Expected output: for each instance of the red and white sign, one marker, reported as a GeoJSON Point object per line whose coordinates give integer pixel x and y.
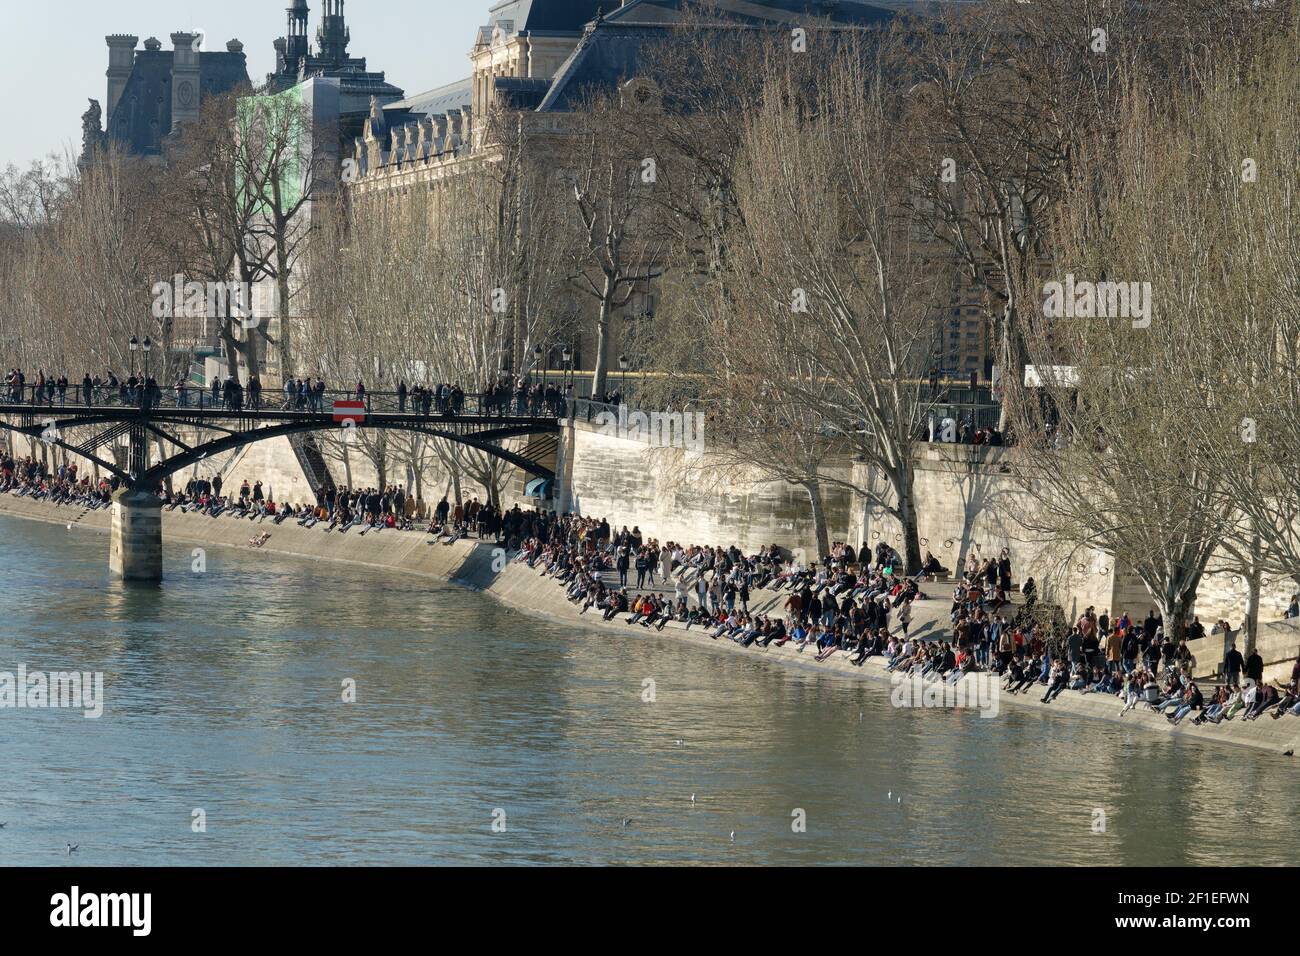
{"type": "Point", "coordinates": [349, 411]}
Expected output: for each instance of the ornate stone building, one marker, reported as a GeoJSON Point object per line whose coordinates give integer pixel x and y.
{"type": "Point", "coordinates": [542, 57]}
{"type": "Point", "coordinates": [295, 61]}
{"type": "Point", "coordinates": [152, 92]}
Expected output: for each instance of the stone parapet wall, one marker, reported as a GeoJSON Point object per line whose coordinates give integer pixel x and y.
{"type": "Point", "coordinates": [674, 495]}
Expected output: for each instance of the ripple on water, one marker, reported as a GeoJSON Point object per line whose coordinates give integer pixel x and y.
{"type": "Point", "coordinates": [224, 693]}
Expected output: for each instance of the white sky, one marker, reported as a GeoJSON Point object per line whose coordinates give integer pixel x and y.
{"type": "Point", "coordinates": [54, 56]}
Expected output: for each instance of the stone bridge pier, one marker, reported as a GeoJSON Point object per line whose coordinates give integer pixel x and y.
{"type": "Point", "coordinates": [135, 543]}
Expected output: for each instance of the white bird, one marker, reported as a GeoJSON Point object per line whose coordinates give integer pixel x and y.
{"type": "Point", "coordinates": [72, 847]}
{"type": "Point", "coordinates": [890, 795]}
{"type": "Point", "coordinates": [692, 801]}
{"type": "Point", "coordinates": [733, 836]}
{"type": "Point", "coordinates": [900, 800]}
{"type": "Point", "coordinates": [679, 741]}
{"type": "Point", "coordinates": [627, 821]}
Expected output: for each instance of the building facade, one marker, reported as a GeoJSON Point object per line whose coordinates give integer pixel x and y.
{"type": "Point", "coordinates": [542, 58]}
{"type": "Point", "coordinates": [153, 92]}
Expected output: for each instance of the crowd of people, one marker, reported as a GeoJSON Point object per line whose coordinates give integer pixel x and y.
{"type": "Point", "coordinates": [334, 509]}
{"type": "Point", "coordinates": [51, 390]}
{"type": "Point", "coordinates": [28, 477]}
{"type": "Point", "coordinates": [338, 509]}
{"type": "Point", "coordinates": [504, 396]}
{"type": "Point", "coordinates": [858, 604]}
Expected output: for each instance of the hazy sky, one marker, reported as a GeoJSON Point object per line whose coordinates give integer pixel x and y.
{"type": "Point", "coordinates": [54, 58]}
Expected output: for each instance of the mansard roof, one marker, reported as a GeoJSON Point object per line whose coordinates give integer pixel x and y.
{"type": "Point", "coordinates": [142, 117]}
{"type": "Point", "coordinates": [439, 100]}
{"type": "Point", "coordinates": [548, 16]}
{"type": "Point", "coordinates": [609, 50]}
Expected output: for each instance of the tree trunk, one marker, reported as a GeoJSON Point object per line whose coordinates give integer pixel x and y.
{"type": "Point", "coordinates": [282, 310]}
{"type": "Point", "coordinates": [601, 369]}
{"type": "Point", "coordinates": [819, 519]}
{"type": "Point", "coordinates": [903, 492]}
{"type": "Point", "coordinates": [1251, 624]}
{"type": "Point", "coordinates": [417, 483]}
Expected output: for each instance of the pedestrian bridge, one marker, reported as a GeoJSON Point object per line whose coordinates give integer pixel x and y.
{"type": "Point", "coordinates": [87, 422]}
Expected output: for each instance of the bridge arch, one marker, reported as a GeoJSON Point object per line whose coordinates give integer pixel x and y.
{"type": "Point", "coordinates": [478, 433]}
{"type": "Point", "coordinates": [482, 440]}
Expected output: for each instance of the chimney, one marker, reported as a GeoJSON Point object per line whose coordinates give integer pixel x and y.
{"type": "Point", "coordinates": [185, 78]}
{"type": "Point", "coordinates": [121, 60]}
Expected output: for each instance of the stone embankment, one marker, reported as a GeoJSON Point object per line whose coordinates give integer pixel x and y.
{"type": "Point", "coordinates": [480, 567]}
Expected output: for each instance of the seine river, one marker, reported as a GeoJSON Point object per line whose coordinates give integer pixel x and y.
{"type": "Point", "coordinates": [224, 694]}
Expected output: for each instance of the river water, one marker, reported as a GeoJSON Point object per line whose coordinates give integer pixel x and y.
{"type": "Point", "coordinates": [224, 693]}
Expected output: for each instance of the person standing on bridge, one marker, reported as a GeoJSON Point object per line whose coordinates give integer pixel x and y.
{"type": "Point", "coordinates": [401, 395]}
{"type": "Point", "coordinates": [361, 391]}
{"type": "Point", "coordinates": [87, 390]}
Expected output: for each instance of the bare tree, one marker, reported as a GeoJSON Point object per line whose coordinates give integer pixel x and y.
{"type": "Point", "coordinates": [1149, 338]}
{"type": "Point", "coordinates": [619, 246]}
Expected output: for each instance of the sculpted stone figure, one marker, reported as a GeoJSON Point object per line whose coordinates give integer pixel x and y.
{"type": "Point", "coordinates": [92, 135]}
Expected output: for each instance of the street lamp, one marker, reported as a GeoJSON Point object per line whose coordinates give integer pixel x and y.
{"type": "Point", "coordinates": [624, 363]}
{"type": "Point", "coordinates": [147, 346]}
{"type": "Point", "coordinates": [133, 344]}
{"type": "Point", "coordinates": [537, 362]}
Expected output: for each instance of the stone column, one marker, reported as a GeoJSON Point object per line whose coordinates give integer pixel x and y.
{"type": "Point", "coordinates": [186, 79]}
{"type": "Point", "coordinates": [121, 60]}
{"type": "Point", "coordinates": [135, 546]}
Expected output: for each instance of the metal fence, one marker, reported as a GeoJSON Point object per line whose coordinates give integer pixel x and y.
{"type": "Point", "coordinates": [81, 399]}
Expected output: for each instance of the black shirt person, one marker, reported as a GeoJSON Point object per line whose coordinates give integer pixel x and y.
{"type": "Point", "coordinates": [1255, 667]}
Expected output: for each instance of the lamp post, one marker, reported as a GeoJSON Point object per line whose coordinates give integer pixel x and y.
{"type": "Point", "coordinates": [624, 363]}
{"type": "Point", "coordinates": [133, 345]}
{"type": "Point", "coordinates": [537, 363]}
{"type": "Point", "coordinates": [147, 346]}
{"type": "Point", "coordinates": [567, 355]}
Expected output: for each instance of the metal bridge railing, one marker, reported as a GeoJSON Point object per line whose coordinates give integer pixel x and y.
{"type": "Point", "coordinates": [329, 402]}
